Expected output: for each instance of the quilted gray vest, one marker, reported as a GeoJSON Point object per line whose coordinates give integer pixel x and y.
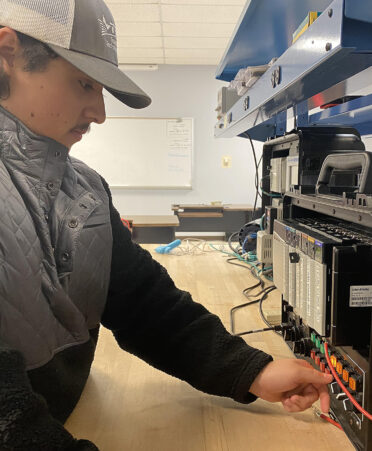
{"type": "Point", "coordinates": [55, 245]}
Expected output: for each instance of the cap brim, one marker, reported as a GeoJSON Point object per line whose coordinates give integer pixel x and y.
{"type": "Point", "coordinates": [109, 75]}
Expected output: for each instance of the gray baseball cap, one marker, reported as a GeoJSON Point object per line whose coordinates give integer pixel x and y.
{"type": "Point", "coordinates": [82, 32]}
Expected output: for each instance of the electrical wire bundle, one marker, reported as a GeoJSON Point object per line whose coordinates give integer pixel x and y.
{"type": "Point", "coordinates": [264, 293]}
{"type": "Point", "coordinates": [195, 246]}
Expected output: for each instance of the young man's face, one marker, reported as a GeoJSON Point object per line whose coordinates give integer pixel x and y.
{"type": "Point", "coordinates": [59, 102]}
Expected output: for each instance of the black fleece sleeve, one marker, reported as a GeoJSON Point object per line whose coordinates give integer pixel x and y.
{"type": "Point", "coordinates": [25, 423]}
{"type": "Point", "coordinates": [162, 325]}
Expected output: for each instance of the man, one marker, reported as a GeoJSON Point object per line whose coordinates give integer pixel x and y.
{"type": "Point", "coordinates": [67, 262]}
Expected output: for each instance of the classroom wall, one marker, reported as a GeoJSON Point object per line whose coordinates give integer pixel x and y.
{"type": "Point", "coordinates": [188, 91]}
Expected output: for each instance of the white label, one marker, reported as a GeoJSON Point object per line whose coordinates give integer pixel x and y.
{"type": "Point", "coordinates": [292, 160]}
{"type": "Point", "coordinates": [360, 296]}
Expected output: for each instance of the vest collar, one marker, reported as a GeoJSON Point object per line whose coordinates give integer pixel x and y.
{"type": "Point", "coordinates": [41, 159]}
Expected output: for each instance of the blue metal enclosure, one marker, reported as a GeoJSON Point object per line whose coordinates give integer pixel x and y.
{"type": "Point", "coordinates": [336, 47]}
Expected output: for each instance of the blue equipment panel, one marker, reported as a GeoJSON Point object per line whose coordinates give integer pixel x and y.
{"type": "Point", "coordinates": [264, 31]}
{"type": "Point", "coordinates": [337, 46]}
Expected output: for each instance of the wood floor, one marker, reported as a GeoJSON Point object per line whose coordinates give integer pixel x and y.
{"type": "Point", "coordinates": [128, 405]}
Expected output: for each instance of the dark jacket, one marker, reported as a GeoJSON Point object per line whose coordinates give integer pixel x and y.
{"type": "Point", "coordinates": [150, 318]}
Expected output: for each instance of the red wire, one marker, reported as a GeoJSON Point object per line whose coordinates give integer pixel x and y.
{"type": "Point", "coordinates": [324, 417]}
{"type": "Point", "coordinates": [344, 389]}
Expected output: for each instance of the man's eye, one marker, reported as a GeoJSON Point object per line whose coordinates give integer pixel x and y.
{"type": "Point", "coordinates": [85, 85]}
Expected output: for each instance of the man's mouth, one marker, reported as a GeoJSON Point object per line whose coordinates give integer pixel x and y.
{"type": "Point", "coordinates": [80, 131]}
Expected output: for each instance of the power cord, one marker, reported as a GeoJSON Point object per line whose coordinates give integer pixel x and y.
{"type": "Point", "coordinates": [246, 304]}
{"type": "Point", "coordinates": [263, 317]}
{"type": "Point", "coordinates": [278, 328]}
{"type": "Point", "coordinates": [230, 243]}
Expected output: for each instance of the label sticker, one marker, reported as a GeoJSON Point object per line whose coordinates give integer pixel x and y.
{"type": "Point", "coordinates": [360, 296]}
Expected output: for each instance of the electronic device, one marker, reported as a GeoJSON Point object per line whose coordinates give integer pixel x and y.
{"type": "Point", "coordinates": [322, 268]}
{"type": "Point", "coordinates": [271, 213]}
{"type": "Point", "coordinates": [225, 100]}
{"type": "Point", "coordinates": [293, 161]}
{"type": "Point", "coordinates": [322, 260]}
{"type": "Point", "coordinates": [264, 247]}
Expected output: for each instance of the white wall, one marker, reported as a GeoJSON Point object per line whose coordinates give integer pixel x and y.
{"type": "Point", "coordinates": [189, 91]}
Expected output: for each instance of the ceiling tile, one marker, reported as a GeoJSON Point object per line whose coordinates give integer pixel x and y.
{"type": "Point", "coordinates": [193, 53]}
{"type": "Point", "coordinates": [197, 61]}
{"type": "Point", "coordinates": [141, 42]}
{"type": "Point", "coordinates": [141, 60]}
{"type": "Point", "coordinates": [124, 52]}
{"type": "Point", "coordinates": [203, 2]}
{"type": "Point", "coordinates": [135, 12]}
{"type": "Point", "coordinates": [195, 43]}
{"type": "Point", "coordinates": [210, 30]}
{"type": "Point", "coordinates": [138, 29]}
{"type": "Point", "coordinates": [192, 31]}
{"type": "Point", "coordinates": [132, 2]}
{"type": "Point", "coordinates": [200, 13]}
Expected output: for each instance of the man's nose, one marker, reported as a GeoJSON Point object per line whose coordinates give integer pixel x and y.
{"type": "Point", "coordinates": [96, 111]}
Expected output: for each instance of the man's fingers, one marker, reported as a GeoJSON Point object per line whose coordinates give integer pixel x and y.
{"type": "Point", "coordinates": [289, 406]}
{"type": "Point", "coordinates": [311, 376]}
{"type": "Point", "coordinates": [323, 398]}
{"type": "Point", "coordinates": [298, 403]}
{"type": "Point", "coordinates": [305, 398]}
{"type": "Point", "coordinates": [304, 363]}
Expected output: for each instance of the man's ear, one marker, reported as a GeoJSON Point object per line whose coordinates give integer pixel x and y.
{"type": "Point", "coordinates": [9, 47]}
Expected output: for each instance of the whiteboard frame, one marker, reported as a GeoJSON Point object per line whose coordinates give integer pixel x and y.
{"type": "Point", "coordinates": [175, 187]}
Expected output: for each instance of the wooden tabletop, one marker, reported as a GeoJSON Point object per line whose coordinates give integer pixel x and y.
{"type": "Point", "coordinates": [231, 207]}
{"type": "Point", "coordinates": [238, 207]}
{"type": "Point", "coordinates": [176, 207]}
{"type": "Point", "coordinates": [153, 220]}
{"type": "Point", "coordinates": [129, 406]}
{"type": "Point", "coordinates": [200, 214]}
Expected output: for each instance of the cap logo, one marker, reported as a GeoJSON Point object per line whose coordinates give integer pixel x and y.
{"type": "Point", "coordinates": [108, 32]}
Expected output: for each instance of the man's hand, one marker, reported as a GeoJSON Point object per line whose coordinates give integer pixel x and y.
{"type": "Point", "coordinates": [295, 383]}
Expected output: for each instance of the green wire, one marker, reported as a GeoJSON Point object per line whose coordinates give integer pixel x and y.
{"type": "Point", "coordinates": [239, 257]}
{"type": "Point", "coordinates": [270, 194]}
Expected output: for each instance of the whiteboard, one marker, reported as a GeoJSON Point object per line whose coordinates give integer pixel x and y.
{"type": "Point", "coordinates": [138, 152]}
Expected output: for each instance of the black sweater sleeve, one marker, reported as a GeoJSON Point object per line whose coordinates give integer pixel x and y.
{"type": "Point", "coordinates": [162, 325]}
{"type": "Point", "coordinates": [25, 423]}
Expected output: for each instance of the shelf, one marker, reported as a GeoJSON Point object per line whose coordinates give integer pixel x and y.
{"type": "Point", "coordinates": [337, 46]}
{"type": "Point", "coordinates": [264, 31]}
{"type": "Point", "coordinates": [340, 208]}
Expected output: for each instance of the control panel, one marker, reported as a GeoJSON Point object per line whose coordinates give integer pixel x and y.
{"type": "Point", "coordinates": [319, 265]}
